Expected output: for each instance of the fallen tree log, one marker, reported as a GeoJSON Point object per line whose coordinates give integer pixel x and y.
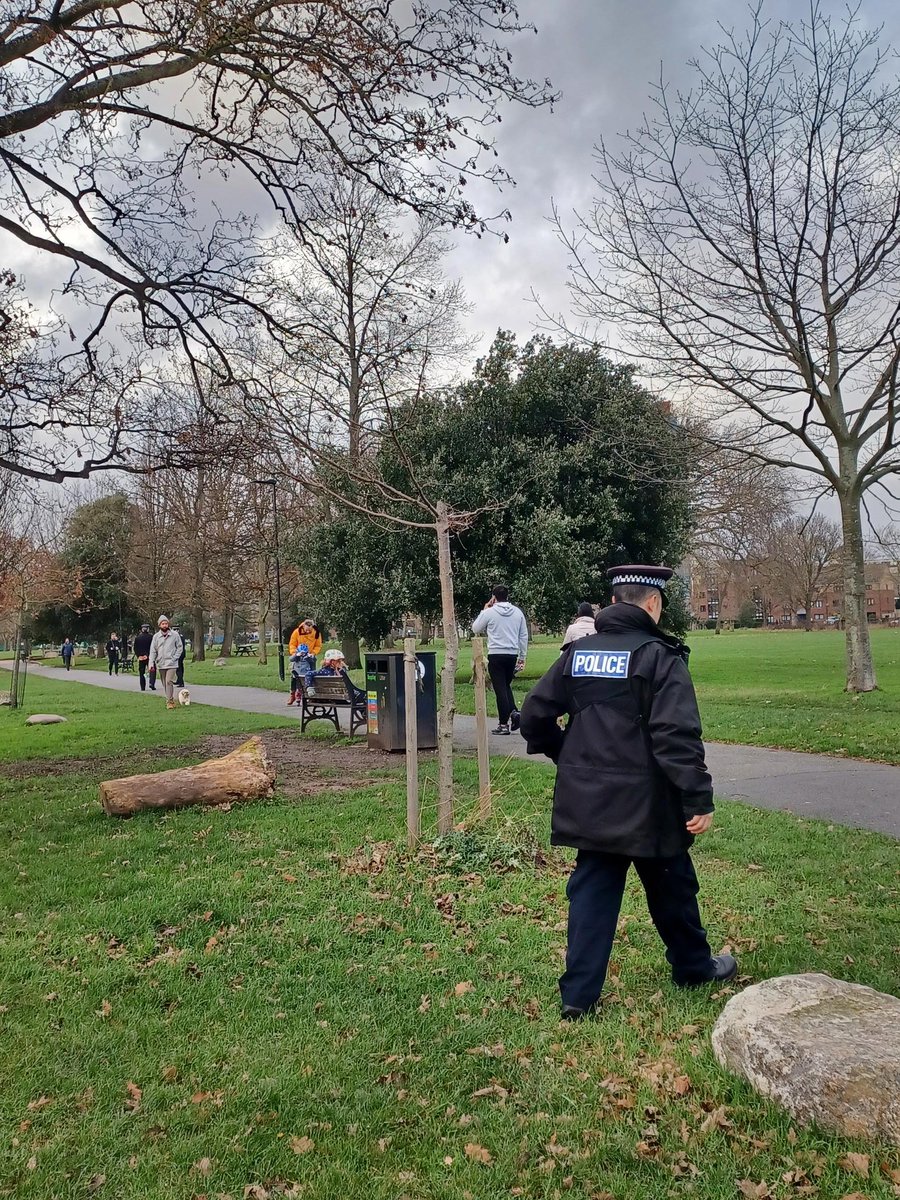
{"type": "Point", "coordinates": [244, 774]}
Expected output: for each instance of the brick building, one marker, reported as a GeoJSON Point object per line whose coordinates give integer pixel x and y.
{"type": "Point", "coordinates": [729, 595]}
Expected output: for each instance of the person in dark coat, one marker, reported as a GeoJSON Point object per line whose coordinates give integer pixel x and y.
{"type": "Point", "coordinates": [179, 674]}
{"type": "Point", "coordinates": [631, 785]}
{"type": "Point", "coordinates": [142, 654]}
{"type": "Point", "coordinates": [113, 652]}
{"type": "Point", "coordinates": [67, 651]}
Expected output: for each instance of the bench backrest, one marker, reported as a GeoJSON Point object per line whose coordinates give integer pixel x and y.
{"type": "Point", "coordinates": [327, 687]}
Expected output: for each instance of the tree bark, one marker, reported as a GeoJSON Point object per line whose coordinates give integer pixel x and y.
{"type": "Point", "coordinates": [227, 632]}
{"type": "Point", "coordinates": [244, 774]}
{"type": "Point", "coordinates": [350, 650]}
{"type": "Point", "coordinates": [860, 668]}
{"type": "Point", "coordinates": [198, 638]}
{"type": "Point", "coordinates": [262, 613]}
{"type": "Point", "coordinates": [448, 675]}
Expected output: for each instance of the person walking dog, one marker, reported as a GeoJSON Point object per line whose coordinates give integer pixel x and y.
{"type": "Point", "coordinates": [165, 651]}
{"type": "Point", "coordinates": [632, 785]}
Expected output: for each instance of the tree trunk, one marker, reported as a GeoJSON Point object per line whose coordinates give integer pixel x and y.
{"type": "Point", "coordinates": [425, 626]}
{"type": "Point", "coordinates": [198, 638]}
{"type": "Point", "coordinates": [860, 668]}
{"type": "Point", "coordinates": [262, 613]}
{"type": "Point", "coordinates": [244, 774]}
{"type": "Point", "coordinates": [350, 650]}
{"type": "Point", "coordinates": [227, 632]}
{"type": "Point", "coordinates": [448, 675]}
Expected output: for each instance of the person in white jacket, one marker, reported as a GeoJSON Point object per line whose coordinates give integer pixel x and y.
{"type": "Point", "coordinates": [165, 651]}
{"type": "Point", "coordinates": [507, 637]}
{"type": "Point", "coordinates": [582, 626]}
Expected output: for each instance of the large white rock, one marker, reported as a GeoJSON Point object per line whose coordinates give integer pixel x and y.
{"type": "Point", "coordinates": [45, 719]}
{"type": "Point", "coordinates": [827, 1051]}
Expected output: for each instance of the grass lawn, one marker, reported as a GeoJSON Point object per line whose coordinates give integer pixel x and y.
{"type": "Point", "coordinates": [278, 1001]}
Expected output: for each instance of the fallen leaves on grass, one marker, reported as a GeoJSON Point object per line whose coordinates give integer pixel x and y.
{"type": "Point", "coordinates": [169, 1074]}
{"type": "Point", "coordinates": [477, 1153]}
{"type": "Point", "coordinates": [856, 1164]}
{"type": "Point", "coordinates": [96, 1182]}
{"type": "Point", "coordinates": [302, 1145]}
{"type": "Point", "coordinates": [753, 1191]}
{"type": "Point", "coordinates": [133, 1097]}
{"type": "Point", "coordinates": [105, 1009]}
{"type": "Point", "coordinates": [465, 986]}
{"type": "Point", "coordinates": [41, 1102]}
{"type": "Point", "coordinates": [203, 1166]}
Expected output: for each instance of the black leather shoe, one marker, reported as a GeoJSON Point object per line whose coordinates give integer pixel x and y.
{"type": "Point", "coordinates": [725, 969]}
{"type": "Point", "coordinates": [514, 720]}
{"type": "Point", "coordinates": [504, 729]}
{"type": "Point", "coordinates": [570, 1013]}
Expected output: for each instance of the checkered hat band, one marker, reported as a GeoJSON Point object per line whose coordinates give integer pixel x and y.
{"type": "Point", "coordinates": [643, 580]}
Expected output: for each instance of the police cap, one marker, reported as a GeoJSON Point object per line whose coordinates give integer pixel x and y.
{"type": "Point", "coordinates": [642, 575]}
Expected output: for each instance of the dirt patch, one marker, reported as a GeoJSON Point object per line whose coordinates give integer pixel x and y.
{"type": "Point", "coordinates": [304, 765]}
{"type": "Point", "coordinates": [309, 765]}
{"type": "Point", "coordinates": [110, 767]}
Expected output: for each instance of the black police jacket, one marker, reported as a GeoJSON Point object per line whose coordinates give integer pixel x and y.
{"type": "Point", "coordinates": [142, 645]}
{"type": "Point", "coordinates": [630, 763]}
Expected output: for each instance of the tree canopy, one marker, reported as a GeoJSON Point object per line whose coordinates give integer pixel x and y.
{"type": "Point", "coordinates": [93, 572]}
{"type": "Point", "coordinates": [571, 465]}
{"type": "Point", "coordinates": [148, 148]}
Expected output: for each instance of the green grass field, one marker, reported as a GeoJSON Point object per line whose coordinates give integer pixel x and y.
{"type": "Point", "coordinates": [756, 687]}
{"type": "Point", "coordinates": [278, 1001]}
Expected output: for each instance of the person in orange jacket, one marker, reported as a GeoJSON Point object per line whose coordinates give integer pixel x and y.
{"type": "Point", "coordinates": [307, 633]}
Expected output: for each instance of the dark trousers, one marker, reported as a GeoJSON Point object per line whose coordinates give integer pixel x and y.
{"type": "Point", "coordinates": [179, 674]}
{"type": "Point", "coordinates": [142, 673]}
{"type": "Point", "coordinates": [502, 668]}
{"type": "Point", "coordinates": [595, 891]}
{"type": "Point", "coordinates": [68, 661]}
{"type": "Point", "coordinates": [113, 663]}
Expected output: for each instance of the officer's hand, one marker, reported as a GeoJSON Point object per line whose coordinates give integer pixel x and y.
{"type": "Point", "coordinates": [700, 824]}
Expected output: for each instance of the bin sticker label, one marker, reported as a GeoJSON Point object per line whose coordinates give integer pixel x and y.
{"type": "Point", "coordinates": [372, 709]}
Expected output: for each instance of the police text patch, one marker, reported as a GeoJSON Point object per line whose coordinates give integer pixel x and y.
{"type": "Point", "coordinates": [601, 664]}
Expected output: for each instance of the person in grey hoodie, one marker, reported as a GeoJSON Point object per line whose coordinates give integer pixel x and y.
{"type": "Point", "coordinates": [507, 637]}
{"type": "Point", "coordinates": [582, 626]}
{"type": "Point", "coordinates": [165, 651]}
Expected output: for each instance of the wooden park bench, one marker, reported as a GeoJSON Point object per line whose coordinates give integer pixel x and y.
{"type": "Point", "coordinates": [126, 663]}
{"type": "Point", "coordinates": [331, 694]}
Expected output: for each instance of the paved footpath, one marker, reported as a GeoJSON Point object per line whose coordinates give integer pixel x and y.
{"type": "Point", "coordinates": [846, 791]}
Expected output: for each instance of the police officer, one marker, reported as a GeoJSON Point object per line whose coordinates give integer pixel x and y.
{"type": "Point", "coordinates": [631, 785]}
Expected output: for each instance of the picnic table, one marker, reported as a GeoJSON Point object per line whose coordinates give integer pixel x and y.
{"type": "Point", "coordinates": [243, 651]}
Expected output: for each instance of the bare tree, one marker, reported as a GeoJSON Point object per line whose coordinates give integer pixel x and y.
{"type": "Point", "coordinates": [802, 561]}
{"type": "Point", "coordinates": [737, 502]}
{"type": "Point", "coordinates": [370, 313]}
{"type": "Point", "coordinates": [747, 239]}
{"type": "Point", "coordinates": [114, 115]}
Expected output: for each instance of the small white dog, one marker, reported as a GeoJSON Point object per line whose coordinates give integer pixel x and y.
{"type": "Point", "coordinates": [184, 696]}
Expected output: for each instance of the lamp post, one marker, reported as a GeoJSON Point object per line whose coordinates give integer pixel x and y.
{"type": "Point", "coordinates": [272, 484]}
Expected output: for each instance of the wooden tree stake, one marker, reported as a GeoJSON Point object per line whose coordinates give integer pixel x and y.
{"type": "Point", "coordinates": [481, 730]}
{"type": "Point", "coordinates": [411, 687]}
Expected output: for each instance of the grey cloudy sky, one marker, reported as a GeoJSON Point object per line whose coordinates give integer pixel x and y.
{"type": "Point", "coordinates": [604, 56]}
